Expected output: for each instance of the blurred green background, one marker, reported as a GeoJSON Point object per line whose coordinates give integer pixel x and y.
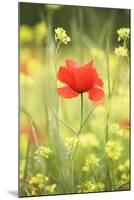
{"type": "Point", "coordinates": [110, 19]}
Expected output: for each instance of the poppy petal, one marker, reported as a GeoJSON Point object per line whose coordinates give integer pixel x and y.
{"type": "Point", "coordinates": [65, 76]}
{"type": "Point", "coordinates": [71, 64]}
{"type": "Point", "coordinates": [85, 77]}
{"type": "Point", "coordinates": [89, 64]}
{"type": "Point", "coordinates": [100, 83]}
{"type": "Point", "coordinates": [67, 92]}
{"type": "Point", "coordinates": [96, 94]}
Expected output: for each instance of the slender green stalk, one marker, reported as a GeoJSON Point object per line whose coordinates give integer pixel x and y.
{"type": "Point", "coordinates": [88, 115]}
{"type": "Point", "coordinates": [94, 177]}
{"type": "Point", "coordinates": [33, 130]}
{"type": "Point", "coordinates": [37, 143]}
{"type": "Point", "coordinates": [79, 131]}
{"type": "Point", "coordinates": [80, 32]}
{"type": "Point", "coordinates": [113, 175]}
{"type": "Point", "coordinates": [109, 89]}
{"type": "Point", "coordinates": [27, 156]}
{"type": "Point", "coordinates": [108, 112]}
{"type": "Point", "coordinates": [83, 123]}
{"type": "Point", "coordinates": [108, 67]}
{"type": "Point", "coordinates": [81, 112]}
{"type": "Point", "coordinates": [67, 126]}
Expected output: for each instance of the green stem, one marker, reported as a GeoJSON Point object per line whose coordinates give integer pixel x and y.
{"type": "Point", "coordinates": [109, 89]}
{"type": "Point", "coordinates": [88, 115]}
{"type": "Point", "coordinates": [108, 112]}
{"type": "Point", "coordinates": [67, 126]}
{"type": "Point", "coordinates": [83, 122]}
{"type": "Point", "coordinates": [79, 131]}
{"type": "Point", "coordinates": [108, 68]}
{"type": "Point", "coordinates": [34, 132]}
{"type": "Point", "coordinates": [94, 177]}
{"type": "Point", "coordinates": [81, 112]}
{"type": "Point", "coordinates": [27, 156]}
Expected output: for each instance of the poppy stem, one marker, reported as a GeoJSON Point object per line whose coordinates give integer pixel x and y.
{"type": "Point", "coordinates": [81, 113]}
{"type": "Point", "coordinates": [79, 131]}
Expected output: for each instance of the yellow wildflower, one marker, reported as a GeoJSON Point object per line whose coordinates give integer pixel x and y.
{"type": "Point", "coordinates": [61, 36]}
{"type": "Point", "coordinates": [123, 33]}
{"type": "Point", "coordinates": [51, 188]}
{"type": "Point", "coordinates": [125, 167]}
{"type": "Point", "coordinates": [71, 142]}
{"type": "Point", "coordinates": [42, 152]}
{"type": "Point", "coordinates": [37, 181]}
{"type": "Point", "coordinates": [113, 149]}
{"type": "Point", "coordinates": [121, 51]}
{"type": "Point", "coordinates": [91, 161]}
{"type": "Point", "coordinates": [116, 130]}
{"type": "Point", "coordinates": [88, 186]}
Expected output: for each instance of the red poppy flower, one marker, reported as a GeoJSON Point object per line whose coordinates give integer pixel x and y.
{"type": "Point", "coordinates": [80, 79]}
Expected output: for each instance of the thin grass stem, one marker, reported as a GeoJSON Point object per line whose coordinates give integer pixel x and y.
{"type": "Point", "coordinates": [108, 112]}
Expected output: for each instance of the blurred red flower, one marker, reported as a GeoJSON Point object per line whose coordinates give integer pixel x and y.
{"type": "Point", "coordinates": [26, 130]}
{"type": "Point", "coordinates": [125, 123]}
{"type": "Point", "coordinates": [24, 68]}
{"type": "Point", "coordinates": [80, 79]}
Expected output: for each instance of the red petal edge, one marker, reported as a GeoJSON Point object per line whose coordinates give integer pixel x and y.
{"type": "Point", "coordinates": [71, 64]}
{"type": "Point", "coordinates": [67, 92]}
{"type": "Point", "coordinates": [96, 94]}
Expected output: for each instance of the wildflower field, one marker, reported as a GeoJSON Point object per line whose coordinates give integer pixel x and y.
{"type": "Point", "coordinates": [74, 99]}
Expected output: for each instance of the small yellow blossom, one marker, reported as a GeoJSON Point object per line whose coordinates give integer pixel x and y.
{"type": "Point", "coordinates": [124, 172]}
{"type": "Point", "coordinates": [116, 130]}
{"type": "Point", "coordinates": [42, 152]}
{"type": "Point", "coordinates": [125, 177]}
{"type": "Point", "coordinates": [91, 161]}
{"type": "Point", "coordinates": [88, 186]}
{"type": "Point", "coordinates": [61, 36]}
{"type": "Point", "coordinates": [123, 33]}
{"type": "Point", "coordinates": [33, 193]}
{"type": "Point", "coordinates": [71, 142]}
{"type": "Point", "coordinates": [113, 149]}
{"type": "Point", "coordinates": [127, 164]}
{"type": "Point", "coordinates": [114, 127]}
{"type": "Point", "coordinates": [51, 188]}
{"type": "Point", "coordinates": [121, 51]}
{"type": "Point", "coordinates": [121, 168]}
{"type": "Point", "coordinates": [125, 167]}
{"type": "Point", "coordinates": [37, 181]}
